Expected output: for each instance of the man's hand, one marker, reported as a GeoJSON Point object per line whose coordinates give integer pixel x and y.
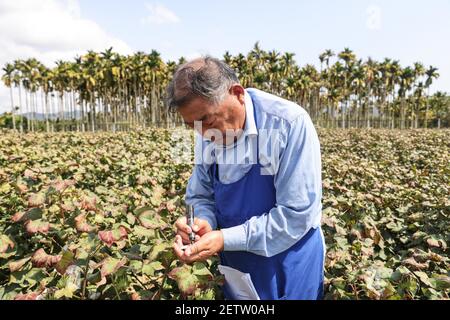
{"type": "Point", "coordinates": [209, 244]}
{"type": "Point", "coordinates": [200, 227]}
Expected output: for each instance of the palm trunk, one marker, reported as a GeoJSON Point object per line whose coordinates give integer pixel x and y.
{"type": "Point", "coordinates": [12, 107]}
{"type": "Point", "coordinates": [427, 108]}
{"type": "Point", "coordinates": [47, 113]}
{"type": "Point", "coordinates": [27, 108]}
{"type": "Point", "coordinates": [402, 113]}
{"type": "Point", "coordinates": [75, 110]}
{"type": "Point", "coordinates": [21, 110]}
{"type": "Point", "coordinates": [92, 113]}
{"type": "Point", "coordinates": [61, 110]}
{"type": "Point", "coordinates": [52, 113]}
{"type": "Point", "coordinates": [83, 127]}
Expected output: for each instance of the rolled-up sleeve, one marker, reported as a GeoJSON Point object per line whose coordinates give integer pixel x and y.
{"type": "Point", "coordinates": [298, 185]}
{"type": "Point", "coordinates": [200, 194]}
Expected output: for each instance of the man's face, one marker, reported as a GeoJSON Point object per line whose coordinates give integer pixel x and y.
{"type": "Point", "coordinates": [228, 115]}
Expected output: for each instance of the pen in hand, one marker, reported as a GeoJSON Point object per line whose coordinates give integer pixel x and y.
{"type": "Point", "coordinates": [190, 222]}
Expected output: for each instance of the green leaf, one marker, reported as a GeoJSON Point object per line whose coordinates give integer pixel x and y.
{"type": "Point", "coordinates": [5, 188]}
{"type": "Point", "coordinates": [150, 268]}
{"type": "Point", "coordinates": [135, 265]}
{"type": "Point", "coordinates": [423, 277]}
{"type": "Point", "coordinates": [441, 281]}
{"type": "Point", "coordinates": [66, 292]}
{"type": "Point", "coordinates": [67, 259]}
{"type": "Point", "coordinates": [156, 198]}
{"type": "Point", "coordinates": [148, 218]}
{"type": "Point", "coordinates": [131, 219]}
{"type": "Point", "coordinates": [94, 277]}
{"type": "Point", "coordinates": [199, 269]}
{"type": "Point", "coordinates": [34, 276]}
{"type": "Point", "coordinates": [159, 249]}
{"type": "Point", "coordinates": [5, 244]}
{"type": "Point", "coordinates": [111, 265]}
{"type": "Point", "coordinates": [143, 232]}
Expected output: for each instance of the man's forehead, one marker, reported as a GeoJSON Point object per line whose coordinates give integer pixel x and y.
{"type": "Point", "coordinates": [195, 109]}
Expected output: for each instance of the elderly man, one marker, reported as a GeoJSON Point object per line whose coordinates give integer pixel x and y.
{"type": "Point", "coordinates": [260, 208]}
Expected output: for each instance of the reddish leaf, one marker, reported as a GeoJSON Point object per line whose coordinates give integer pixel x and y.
{"type": "Point", "coordinates": [41, 259]}
{"type": "Point", "coordinates": [21, 188]}
{"type": "Point", "coordinates": [89, 203]}
{"type": "Point", "coordinates": [27, 296]}
{"type": "Point", "coordinates": [18, 216]}
{"type": "Point", "coordinates": [186, 280]}
{"type": "Point", "coordinates": [30, 174]}
{"type": "Point", "coordinates": [61, 185]}
{"type": "Point", "coordinates": [36, 199]}
{"type": "Point", "coordinates": [433, 242]}
{"type": "Point", "coordinates": [171, 207]}
{"type": "Point", "coordinates": [81, 225]}
{"type": "Point", "coordinates": [67, 207]}
{"type": "Point", "coordinates": [414, 265]}
{"type": "Point", "coordinates": [32, 214]}
{"type": "Point", "coordinates": [135, 296]}
{"type": "Point", "coordinates": [112, 236]}
{"type": "Point", "coordinates": [35, 226]}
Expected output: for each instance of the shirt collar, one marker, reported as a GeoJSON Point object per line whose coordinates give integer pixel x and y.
{"type": "Point", "coordinates": [250, 125]}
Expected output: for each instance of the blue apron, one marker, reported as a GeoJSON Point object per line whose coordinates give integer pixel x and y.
{"type": "Point", "coordinates": [294, 274]}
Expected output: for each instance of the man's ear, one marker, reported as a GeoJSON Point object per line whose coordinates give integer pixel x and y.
{"type": "Point", "coordinates": [238, 91]}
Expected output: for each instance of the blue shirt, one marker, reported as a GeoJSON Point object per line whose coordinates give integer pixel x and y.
{"type": "Point", "coordinates": [290, 150]}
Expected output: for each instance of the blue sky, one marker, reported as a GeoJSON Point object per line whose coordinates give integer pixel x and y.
{"type": "Point", "coordinates": [408, 30]}
{"type": "Point", "coordinates": [405, 30]}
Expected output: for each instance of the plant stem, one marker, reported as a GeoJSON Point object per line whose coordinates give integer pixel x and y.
{"type": "Point", "coordinates": [117, 293]}
{"type": "Point", "coordinates": [158, 293]}
{"type": "Point", "coordinates": [86, 269]}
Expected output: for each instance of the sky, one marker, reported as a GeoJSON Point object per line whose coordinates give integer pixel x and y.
{"type": "Point", "coordinates": [49, 30]}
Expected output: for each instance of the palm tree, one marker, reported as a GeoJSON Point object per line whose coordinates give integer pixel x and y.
{"type": "Point", "coordinates": [431, 74]}
{"type": "Point", "coordinates": [18, 82]}
{"type": "Point", "coordinates": [440, 105]}
{"type": "Point", "coordinates": [406, 81]}
{"type": "Point", "coordinates": [349, 58]}
{"type": "Point", "coordinates": [8, 80]}
{"type": "Point", "coordinates": [370, 70]}
{"type": "Point", "coordinates": [419, 71]}
{"type": "Point", "coordinates": [109, 91]}
{"type": "Point", "coordinates": [325, 75]}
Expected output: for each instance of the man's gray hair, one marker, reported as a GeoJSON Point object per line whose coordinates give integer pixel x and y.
{"type": "Point", "coordinates": [205, 77]}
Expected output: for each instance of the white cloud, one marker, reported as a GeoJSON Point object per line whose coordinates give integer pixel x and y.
{"type": "Point", "coordinates": [48, 30]}
{"type": "Point", "coordinates": [159, 14]}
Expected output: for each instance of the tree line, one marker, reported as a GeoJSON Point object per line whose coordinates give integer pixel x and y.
{"type": "Point", "coordinates": [109, 91]}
